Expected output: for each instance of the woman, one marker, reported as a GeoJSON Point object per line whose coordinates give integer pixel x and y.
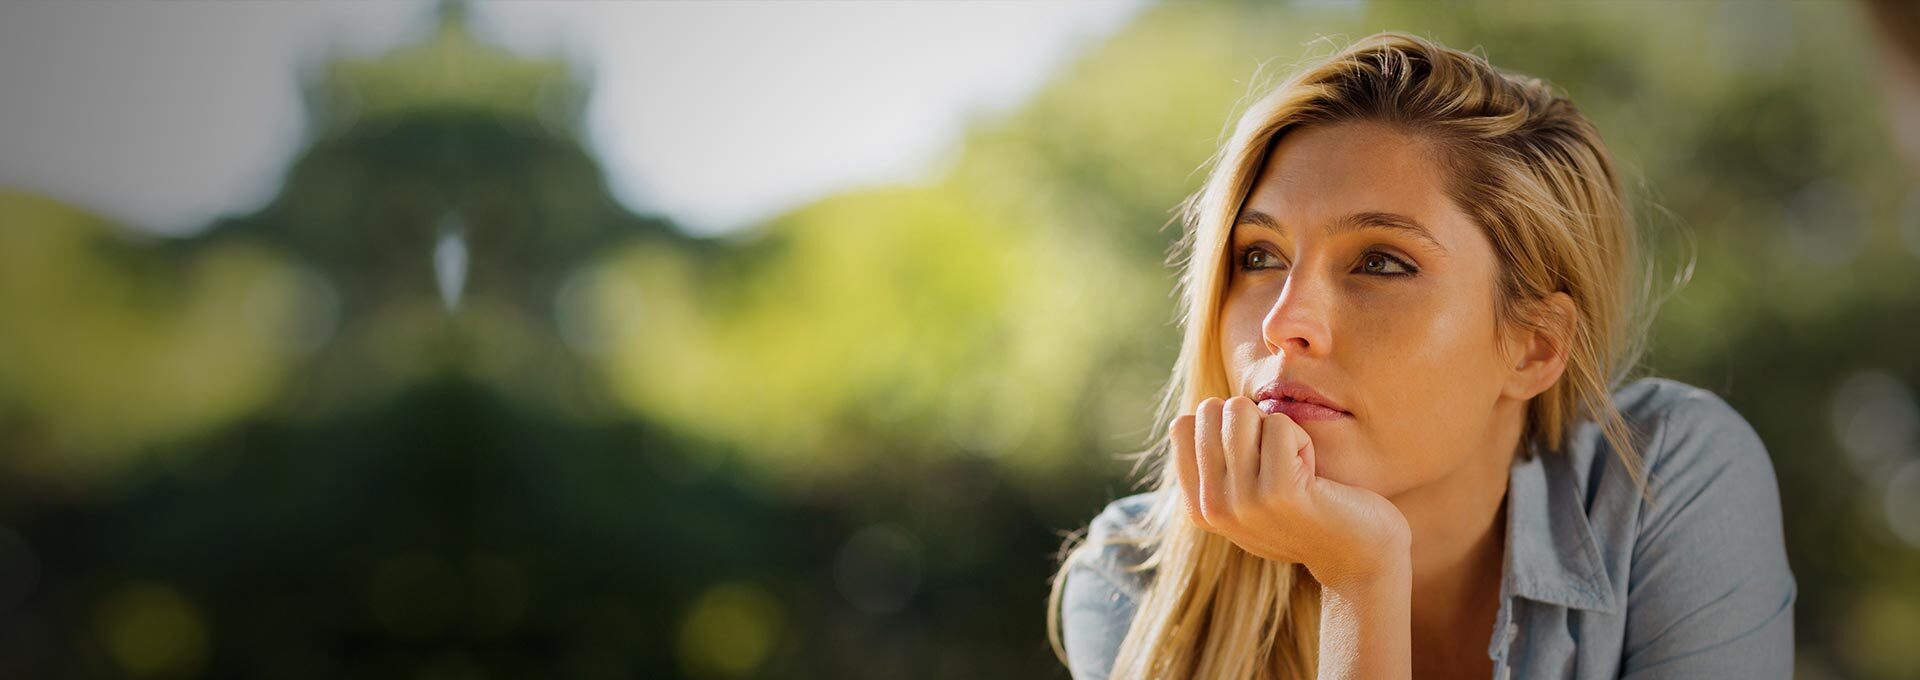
{"type": "Point", "coordinates": [1410, 288]}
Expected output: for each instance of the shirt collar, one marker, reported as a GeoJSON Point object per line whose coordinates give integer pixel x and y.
{"type": "Point", "coordinates": [1551, 553]}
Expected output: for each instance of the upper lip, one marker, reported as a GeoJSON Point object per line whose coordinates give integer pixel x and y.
{"type": "Point", "coordinates": [1294, 390]}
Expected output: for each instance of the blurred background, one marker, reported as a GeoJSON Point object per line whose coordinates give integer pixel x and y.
{"type": "Point", "coordinates": [737, 340]}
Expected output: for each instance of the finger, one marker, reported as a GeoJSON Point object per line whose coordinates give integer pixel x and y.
{"type": "Point", "coordinates": [1209, 459]}
{"type": "Point", "coordinates": [1240, 432]}
{"type": "Point", "coordinates": [1280, 462]}
{"type": "Point", "coordinates": [1305, 444]}
{"type": "Point", "coordinates": [1181, 438]}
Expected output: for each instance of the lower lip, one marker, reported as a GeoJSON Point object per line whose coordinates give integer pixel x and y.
{"type": "Point", "coordinates": [1300, 410]}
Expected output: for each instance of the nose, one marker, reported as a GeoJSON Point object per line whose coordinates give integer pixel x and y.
{"type": "Point", "coordinates": [1297, 322]}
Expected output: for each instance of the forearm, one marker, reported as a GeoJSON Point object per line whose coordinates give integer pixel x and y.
{"type": "Point", "coordinates": [1366, 628]}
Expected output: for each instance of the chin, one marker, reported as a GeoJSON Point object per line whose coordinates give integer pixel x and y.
{"type": "Point", "coordinates": [1350, 466]}
{"type": "Point", "coordinates": [1337, 463]}
{"type": "Point", "coordinates": [1339, 473]}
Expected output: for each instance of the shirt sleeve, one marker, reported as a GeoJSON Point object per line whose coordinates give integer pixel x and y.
{"type": "Point", "coordinates": [1710, 594]}
{"type": "Point", "coordinates": [1095, 614]}
{"type": "Point", "coordinates": [1098, 598]}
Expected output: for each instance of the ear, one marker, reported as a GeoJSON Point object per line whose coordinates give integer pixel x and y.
{"type": "Point", "coordinates": [1541, 354]}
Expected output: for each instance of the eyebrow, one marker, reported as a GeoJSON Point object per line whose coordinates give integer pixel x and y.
{"type": "Point", "coordinates": [1351, 222]}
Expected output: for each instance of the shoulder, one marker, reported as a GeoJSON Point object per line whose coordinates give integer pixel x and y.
{"type": "Point", "coordinates": [1690, 437]}
{"type": "Point", "coordinates": [1659, 401]}
{"type": "Point", "coordinates": [1124, 515]}
{"type": "Point", "coordinates": [1712, 493]}
{"type": "Point", "coordinates": [1710, 592]}
{"type": "Point", "coordinates": [1112, 545]}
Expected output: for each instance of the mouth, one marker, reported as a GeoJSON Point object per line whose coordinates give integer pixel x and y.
{"type": "Point", "coordinates": [1297, 401]}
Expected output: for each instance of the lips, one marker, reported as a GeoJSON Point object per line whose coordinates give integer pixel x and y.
{"type": "Point", "coordinates": [1298, 401]}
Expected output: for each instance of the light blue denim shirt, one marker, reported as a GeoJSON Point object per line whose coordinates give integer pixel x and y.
{"type": "Point", "coordinates": [1597, 581]}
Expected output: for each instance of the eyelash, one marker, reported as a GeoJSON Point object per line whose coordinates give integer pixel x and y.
{"type": "Point", "coordinates": [1240, 258]}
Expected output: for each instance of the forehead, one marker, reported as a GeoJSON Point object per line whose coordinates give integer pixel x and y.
{"type": "Point", "coordinates": [1318, 175]}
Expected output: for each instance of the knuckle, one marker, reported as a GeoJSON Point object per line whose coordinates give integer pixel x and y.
{"type": "Point", "coordinates": [1238, 410]}
{"type": "Point", "coordinates": [1210, 509]}
{"type": "Point", "coordinates": [1221, 513]}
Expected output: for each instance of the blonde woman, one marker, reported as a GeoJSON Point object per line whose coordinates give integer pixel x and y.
{"type": "Point", "coordinates": [1395, 442]}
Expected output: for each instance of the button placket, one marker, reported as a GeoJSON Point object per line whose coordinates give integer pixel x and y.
{"type": "Point", "coordinates": [1500, 642]}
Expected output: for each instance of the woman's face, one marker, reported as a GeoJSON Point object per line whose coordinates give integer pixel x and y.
{"type": "Point", "coordinates": [1352, 273]}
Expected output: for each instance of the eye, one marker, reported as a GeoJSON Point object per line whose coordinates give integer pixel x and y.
{"type": "Point", "coordinates": [1253, 258]}
{"type": "Point", "coordinates": [1381, 264]}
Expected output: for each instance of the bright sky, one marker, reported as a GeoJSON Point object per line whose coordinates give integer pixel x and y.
{"type": "Point", "coordinates": [167, 115]}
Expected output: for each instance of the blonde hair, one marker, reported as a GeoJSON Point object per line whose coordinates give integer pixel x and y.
{"type": "Point", "coordinates": [1525, 166]}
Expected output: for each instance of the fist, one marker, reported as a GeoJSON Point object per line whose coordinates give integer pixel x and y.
{"type": "Point", "coordinates": [1251, 477]}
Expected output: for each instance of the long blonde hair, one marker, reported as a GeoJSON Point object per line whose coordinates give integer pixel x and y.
{"type": "Point", "coordinates": [1525, 166]}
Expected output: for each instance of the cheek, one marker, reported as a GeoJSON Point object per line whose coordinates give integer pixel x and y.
{"type": "Point", "coordinates": [1427, 358]}
{"type": "Point", "coordinates": [1240, 336]}
{"type": "Point", "coordinates": [1420, 332]}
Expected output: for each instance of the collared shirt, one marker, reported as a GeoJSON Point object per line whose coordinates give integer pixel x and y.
{"type": "Point", "coordinates": [1597, 581]}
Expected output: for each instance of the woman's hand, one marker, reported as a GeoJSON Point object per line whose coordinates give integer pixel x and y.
{"type": "Point", "coordinates": [1250, 477]}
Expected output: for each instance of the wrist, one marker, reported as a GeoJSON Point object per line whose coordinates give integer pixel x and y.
{"type": "Point", "coordinates": [1365, 625]}
{"type": "Point", "coordinates": [1387, 568]}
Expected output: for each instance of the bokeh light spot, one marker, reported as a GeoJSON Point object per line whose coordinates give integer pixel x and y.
{"type": "Point", "coordinates": [151, 630]}
{"type": "Point", "coordinates": [728, 631]}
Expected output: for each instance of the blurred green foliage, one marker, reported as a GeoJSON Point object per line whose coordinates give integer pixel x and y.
{"type": "Point", "coordinates": [445, 409]}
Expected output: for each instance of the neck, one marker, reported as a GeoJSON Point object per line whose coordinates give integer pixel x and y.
{"type": "Point", "coordinates": [1459, 536]}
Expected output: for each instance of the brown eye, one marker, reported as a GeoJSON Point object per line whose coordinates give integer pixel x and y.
{"type": "Point", "coordinates": [1384, 265]}
{"type": "Point", "coordinates": [1252, 258]}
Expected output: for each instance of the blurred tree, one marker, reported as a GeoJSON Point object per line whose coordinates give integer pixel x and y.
{"type": "Point", "coordinates": [445, 197]}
